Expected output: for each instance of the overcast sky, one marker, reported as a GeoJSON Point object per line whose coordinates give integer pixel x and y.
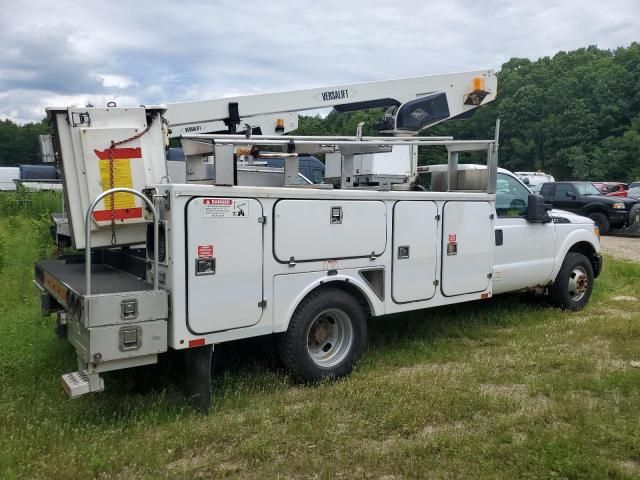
{"type": "Point", "coordinates": [60, 52]}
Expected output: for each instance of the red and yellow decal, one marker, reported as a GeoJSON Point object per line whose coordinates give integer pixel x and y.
{"type": "Point", "coordinates": [124, 204]}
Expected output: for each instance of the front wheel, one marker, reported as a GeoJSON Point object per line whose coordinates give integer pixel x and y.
{"type": "Point", "coordinates": [326, 335]}
{"type": "Point", "coordinates": [574, 282]}
{"type": "Point", "coordinates": [601, 221]}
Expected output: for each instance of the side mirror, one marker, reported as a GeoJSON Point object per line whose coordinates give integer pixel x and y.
{"type": "Point", "coordinates": [571, 194]}
{"type": "Point", "coordinates": [525, 180]}
{"type": "Point", "coordinates": [537, 210]}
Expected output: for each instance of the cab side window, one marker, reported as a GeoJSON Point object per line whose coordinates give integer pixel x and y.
{"type": "Point", "coordinates": [546, 190]}
{"type": "Point", "coordinates": [511, 197]}
{"type": "Point", "coordinates": [318, 176]}
{"type": "Point", "coordinates": [561, 191]}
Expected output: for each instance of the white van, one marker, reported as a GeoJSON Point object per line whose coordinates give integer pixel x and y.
{"type": "Point", "coordinates": [534, 180]}
{"type": "Point", "coordinates": [7, 177]}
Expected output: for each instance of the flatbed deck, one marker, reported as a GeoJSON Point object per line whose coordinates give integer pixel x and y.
{"type": "Point", "coordinates": [104, 278]}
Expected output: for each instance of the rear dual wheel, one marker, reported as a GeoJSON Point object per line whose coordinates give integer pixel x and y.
{"type": "Point", "coordinates": [326, 335]}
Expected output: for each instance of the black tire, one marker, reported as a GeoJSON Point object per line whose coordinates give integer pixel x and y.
{"type": "Point", "coordinates": [323, 313]}
{"type": "Point", "coordinates": [568, 290]}
{"type": "Point", "coordinates": [632, 213]}
{"type": "Point", "coordinates": [601, 221]}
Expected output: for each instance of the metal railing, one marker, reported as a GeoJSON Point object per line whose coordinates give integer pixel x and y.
{"type": "Point", "coordinates": [87, 234]}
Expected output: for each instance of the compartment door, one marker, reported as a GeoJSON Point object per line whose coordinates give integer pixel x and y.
{"type": "Point", "coordinates": [467, 247]}
{"type": "Point", "coordinates": [223, 263]}
{"type": "Point", "coordinates": [312, 230]}
{"type": "Point", "coordinates": [415, 243]}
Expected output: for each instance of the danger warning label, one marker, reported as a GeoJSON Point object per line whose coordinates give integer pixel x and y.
{"type": "Point", "coordinates": [225, 207]}
{"type": "Point", "coordinates": [205, 251]}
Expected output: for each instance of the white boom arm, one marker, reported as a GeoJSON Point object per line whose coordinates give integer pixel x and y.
{"type": "Point", "coordinates": [414, 104]}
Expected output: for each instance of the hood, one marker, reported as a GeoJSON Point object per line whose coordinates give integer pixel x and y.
{"type": "Point", "coordinates": [568, 217]}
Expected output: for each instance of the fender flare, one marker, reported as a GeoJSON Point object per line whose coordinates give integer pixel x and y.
{"type": "Point", "coordinates": [594, 207]}
{"type": "Point", "coordinates": [573, 238]}
{"type": "Point", "coordinates": [376, 306]}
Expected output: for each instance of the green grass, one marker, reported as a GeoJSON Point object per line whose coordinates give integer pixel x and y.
{"type": "Point", "coordinates": [23, 202]}
{"type": "Point", "coordinates": [506, 388]}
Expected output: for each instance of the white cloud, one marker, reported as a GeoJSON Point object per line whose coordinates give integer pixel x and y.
{"type": "Point", "coordinates": [162, 51]}
{"type": "Point", "coordinates": [117, 81]}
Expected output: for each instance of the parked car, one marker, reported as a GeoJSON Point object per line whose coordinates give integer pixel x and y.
{"type": "Point", "coordinates": [634, 184]}
{"type": "Point", "coordinates": [7, 177]}
{"type": "Point", "coordinates": [585, 199]}
{"type": "Point", "coordinates": [534, 180]}
{"type": "Point", "coordinates": [634, 193]}
{"type": "Point", "coordinates": [309, 166]}
{"type": "Point", "coordinates": [612, 189]}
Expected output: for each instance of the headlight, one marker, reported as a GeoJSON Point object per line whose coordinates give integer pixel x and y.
{"type": "Point", "coordinates": [618, 206]}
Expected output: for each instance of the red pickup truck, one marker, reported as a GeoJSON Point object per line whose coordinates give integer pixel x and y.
{"type": "Point", "coordinates": [612, 189]}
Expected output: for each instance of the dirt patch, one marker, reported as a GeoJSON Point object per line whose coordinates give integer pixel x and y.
{"type": "Point", "coordinates": [451, 368]}
{"type": "Point", "coordinates": [630, 466]}
{"type": "Point", "coordinates": [621, 247]}
{"type": "Point", "coordinates": [625, 298]}
{"type": "Point", "coordinates": [514, 391]}
{"type": "Point", "coordinates": [599, 351]}
{"type": "Point", "coordinates": [434, 429]}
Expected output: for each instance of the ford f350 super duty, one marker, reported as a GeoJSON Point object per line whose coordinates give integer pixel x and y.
{"type": "Point", "coordinates": [186, 266]}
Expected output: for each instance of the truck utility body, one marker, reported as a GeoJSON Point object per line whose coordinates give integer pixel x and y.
{"type": "Point", "coordinates": [309, 263]}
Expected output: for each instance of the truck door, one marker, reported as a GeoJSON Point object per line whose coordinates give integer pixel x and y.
{"type": "Point", "coordinates": [223, 263]}
{"type": "Point", "coordinates": [524, 252]}
{"type": "Point", "coordinates": [467, 247]}
{"type": "Point", "coordinates": [566, 197]}
{"type": "Point", "coordinates": [415, 243]}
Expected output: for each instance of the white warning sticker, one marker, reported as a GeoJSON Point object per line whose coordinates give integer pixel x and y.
{"type": "Point", "coordinates": [225, 207]}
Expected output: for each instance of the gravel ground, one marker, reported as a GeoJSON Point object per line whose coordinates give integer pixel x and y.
{"type": "Point", "coordinates": [621, 247]}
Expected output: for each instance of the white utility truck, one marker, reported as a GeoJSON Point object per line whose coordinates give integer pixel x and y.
{"type": "Point", "coordinates": [185, 266]}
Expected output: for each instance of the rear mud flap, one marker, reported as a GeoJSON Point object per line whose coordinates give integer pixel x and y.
{"type": "Point", "coordinates": [197, 382]}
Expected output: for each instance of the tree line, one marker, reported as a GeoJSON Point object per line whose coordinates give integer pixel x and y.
{"type": "Point", "coordinates": [575, 115]}
{"type": "Point", "coordinates": [19, 143]}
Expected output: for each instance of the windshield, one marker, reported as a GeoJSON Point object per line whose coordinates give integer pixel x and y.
{"type": "Point", "coordinates": [587, 189]}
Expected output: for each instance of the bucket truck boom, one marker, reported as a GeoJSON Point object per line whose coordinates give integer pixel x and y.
{"type": "Point", "coordinates": [412, 104]}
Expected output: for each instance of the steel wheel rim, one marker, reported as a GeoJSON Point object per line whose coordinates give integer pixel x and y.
{"type": "Point", "coordinates": [578, 283]}
{"type": "Point", "coordinates": [329, 337]}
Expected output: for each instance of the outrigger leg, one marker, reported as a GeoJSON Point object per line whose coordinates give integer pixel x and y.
{"type": "Point", "coordinates": [197, 383]}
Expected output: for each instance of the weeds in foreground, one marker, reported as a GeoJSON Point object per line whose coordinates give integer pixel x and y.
{"type": "Point", "coordinates": [26, 203]}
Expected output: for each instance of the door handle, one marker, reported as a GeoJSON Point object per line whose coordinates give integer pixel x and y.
{"type": "Point", "coordinates": [499, 237]}
{"type": "Point", "coordinates": [403, 252]}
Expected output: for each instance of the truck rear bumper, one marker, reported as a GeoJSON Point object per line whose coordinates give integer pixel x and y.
{"type": "Point", "coordinates": [122, 324]}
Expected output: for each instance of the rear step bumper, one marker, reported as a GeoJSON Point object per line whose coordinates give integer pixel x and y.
{"type": "Point", "coordinates": [81, 382]}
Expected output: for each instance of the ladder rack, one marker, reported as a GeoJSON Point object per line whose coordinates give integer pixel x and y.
{"type": "Point", "coordinates": [322, 143]}
{"type": "Point", "coordinates": [223, 148]}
